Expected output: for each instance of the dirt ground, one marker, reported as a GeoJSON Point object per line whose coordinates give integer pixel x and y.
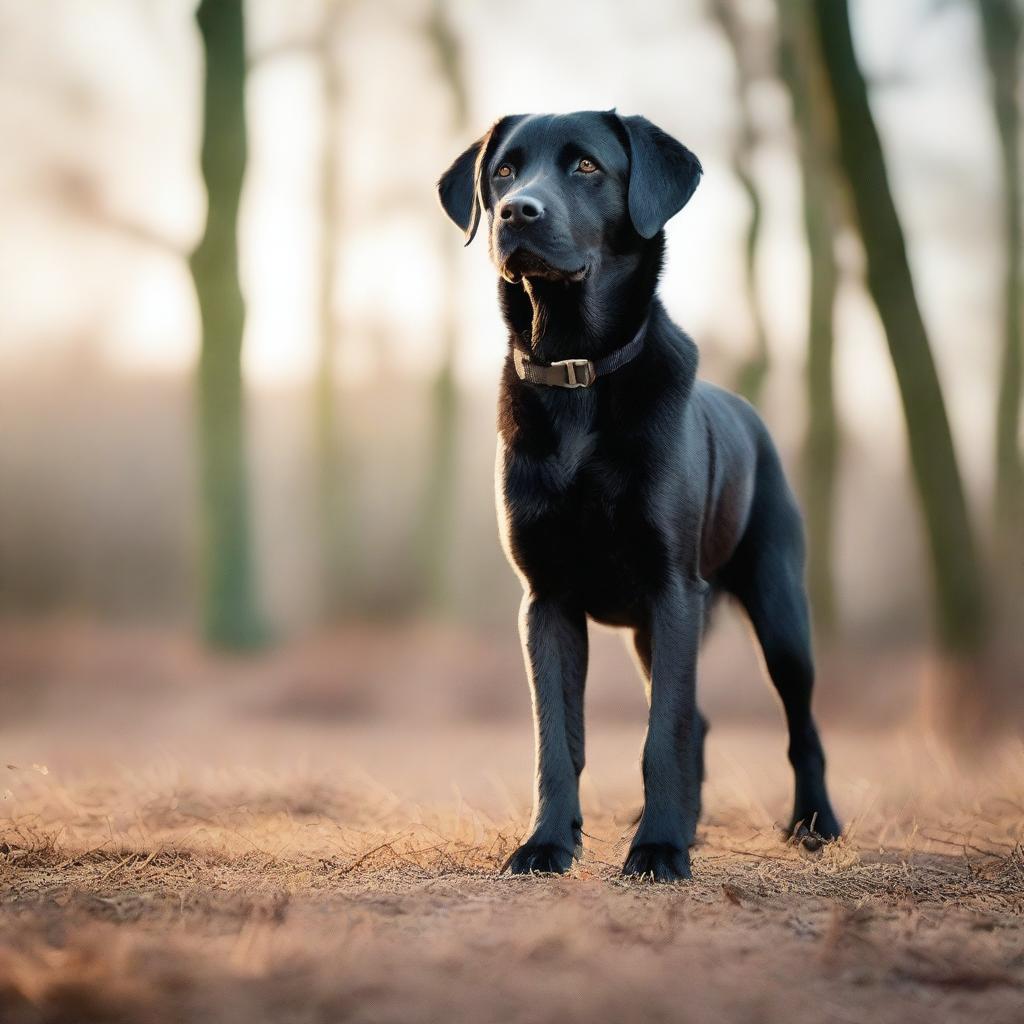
{"type": "Point", "coordinates": [184, 841]}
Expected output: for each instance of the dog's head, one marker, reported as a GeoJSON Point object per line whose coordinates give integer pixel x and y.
{"type": "Point", "coordinates": [565, 193]}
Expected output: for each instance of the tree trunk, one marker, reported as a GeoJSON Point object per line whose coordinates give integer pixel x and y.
{"type": "Point", "coordinates": [804, 76]}
{"type": "Point", "coordinates": [753, 370]}
{"type": "Point", "coordinates": [434, 542]}
{"type": "Point", "coordinates": [230, 615]}
{"type": "Point", "coordinates": [960, 607]}
{"type": "Point", "coordinates": [1001, 22]}
{"type": "Point", "coordinates": [438, 512]}
{"type": "Point", "coordinates": [333, 509]}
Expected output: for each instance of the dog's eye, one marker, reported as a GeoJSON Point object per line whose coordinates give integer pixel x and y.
{"type": "Point", "coordinates": [504, 171]}
{"type": "Point", "coordinates": [586, 165]}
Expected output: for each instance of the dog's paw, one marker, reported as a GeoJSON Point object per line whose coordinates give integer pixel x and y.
{"type": "Point", "coordinates": [657, 862]}
{"type": "Point", "coordinates": [539, 859]}
{"type": "Point", "coordinates": [813, 831]}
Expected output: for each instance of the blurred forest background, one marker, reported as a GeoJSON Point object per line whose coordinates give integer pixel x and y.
{"type": "Point", "coordinates": [247, 373]}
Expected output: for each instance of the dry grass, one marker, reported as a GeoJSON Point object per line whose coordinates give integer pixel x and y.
{"type": "Point", "coordinates": [203, 863]}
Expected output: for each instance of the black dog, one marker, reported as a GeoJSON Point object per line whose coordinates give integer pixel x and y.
{"type": "Point", "coordinates": [629, 492]}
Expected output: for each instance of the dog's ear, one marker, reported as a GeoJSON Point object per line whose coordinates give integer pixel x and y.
{"type": "Point", "coordinates": [457, 190]}
{"type": "Point", "coordinates": [663, 174]}
{"type": "Point", "coordinates": [462, 191]}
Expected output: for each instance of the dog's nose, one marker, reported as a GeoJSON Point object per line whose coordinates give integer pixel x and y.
{"type": "Point", "coordinates": [521, 210]}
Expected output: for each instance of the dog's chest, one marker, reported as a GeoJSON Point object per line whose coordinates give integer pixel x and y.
{"type": "Point", "coordinates": [575, 517]}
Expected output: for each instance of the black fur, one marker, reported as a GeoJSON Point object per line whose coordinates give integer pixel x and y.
{"type": "Point", "coordinates": [636, 501]}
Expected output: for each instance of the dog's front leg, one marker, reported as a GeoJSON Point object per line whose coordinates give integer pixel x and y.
{"type": "Point", "coordinates": [554, 638]}
{"type": "Point", "coordinates": [671, 767]}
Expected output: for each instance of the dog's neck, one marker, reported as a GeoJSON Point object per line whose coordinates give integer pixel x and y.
{"type": "Point", "coordinates": [587, 319]}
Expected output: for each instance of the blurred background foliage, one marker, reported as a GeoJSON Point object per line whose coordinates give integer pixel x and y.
{"type": "Point", "coordinates": [247, 372]}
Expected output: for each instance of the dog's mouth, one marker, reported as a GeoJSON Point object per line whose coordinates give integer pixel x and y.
{"type": "Point", "coordinates": [523, 263]}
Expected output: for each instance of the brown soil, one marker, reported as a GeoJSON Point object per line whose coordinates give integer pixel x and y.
{"type": "Point", "coordinates": [175, 853]}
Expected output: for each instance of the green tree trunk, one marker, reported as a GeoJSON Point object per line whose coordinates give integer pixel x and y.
{"type": "Point", "coordinates": [434, 541]}
{"type": "Point", "coordinates": [752, 372]}
{"type": "Point", "coordinates": [960, 607]}
{"type": "Point", "coordinates": [230, 615]}
{"type": "Point", "coordinates": [1001, 22]}
{"type": "Point", "coordinates": [804, 76]}
{"type": "Point", "coordinates": [438, 509]}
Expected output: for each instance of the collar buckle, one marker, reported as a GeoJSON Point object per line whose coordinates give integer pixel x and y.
{"type": "Point", "coordinates": [579, 373]}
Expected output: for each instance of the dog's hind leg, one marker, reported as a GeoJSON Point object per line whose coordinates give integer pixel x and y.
{"type": "Point", "coordinates": [554, 640]}
{"type": "Point", "coordinates": [766, 576]}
